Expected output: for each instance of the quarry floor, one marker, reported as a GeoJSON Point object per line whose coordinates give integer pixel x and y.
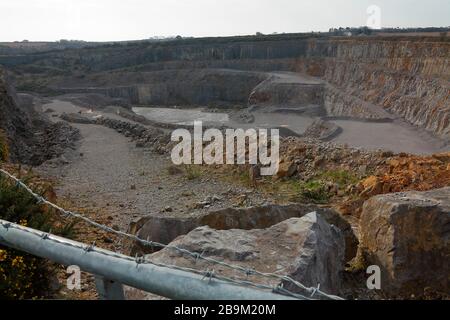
{"type": "Point", "coordinates": [107, 171]}
{"type": "Point", "coordinates": [396, 136]}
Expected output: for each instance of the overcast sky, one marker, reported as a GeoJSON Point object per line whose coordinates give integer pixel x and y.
{"type": "Point", "coordinates": [107, 20]}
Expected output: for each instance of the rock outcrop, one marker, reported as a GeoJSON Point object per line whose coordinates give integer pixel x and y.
{"type": "Point", "coordinates": [309, 155]}
{"type": "Point", "coordinates": [164, 229]}
{"type": "Point", "coordinates": [307, 249]}
{"type": "Point", "coordinates": [31, 137]}
{"type": "Point", "coordinates": [407, 235]}
{"type": "Point", "coordinates": [322, 130]}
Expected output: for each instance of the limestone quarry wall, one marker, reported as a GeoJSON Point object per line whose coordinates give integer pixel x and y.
{"type": "Point", "coordinates": [407, 78]}
{"type": "Point", "coordinates": [175, 87]}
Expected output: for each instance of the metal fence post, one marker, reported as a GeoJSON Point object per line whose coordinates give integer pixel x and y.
{"type": "Point", "coordinates": [109, 289]}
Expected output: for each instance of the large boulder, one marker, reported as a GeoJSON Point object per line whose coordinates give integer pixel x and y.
{"type": "Point", "coordinates": [159, 229]}
{"type": "Point", "coordinates": [407, 235]}
{"type": "Point", "coordinates": [308, 249]}
{"type": "Point", "coordinates": [286, 169]}
{"type": "Point", "coordinates": [164, 229]}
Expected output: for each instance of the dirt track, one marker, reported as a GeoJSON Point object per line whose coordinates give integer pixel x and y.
{"type": "Point", "coordinates": [108, 171]}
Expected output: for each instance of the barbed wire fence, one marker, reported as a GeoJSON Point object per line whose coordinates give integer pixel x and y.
{"type": "Point", "coordinates": [309, 292]}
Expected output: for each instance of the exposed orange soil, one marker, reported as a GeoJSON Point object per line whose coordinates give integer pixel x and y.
{"type": "Point", "coordinates": [408, 172]}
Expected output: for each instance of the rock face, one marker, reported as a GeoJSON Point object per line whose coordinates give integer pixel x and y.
{"type": "Point", "coordinates": [288, 89]}
{"type": "Point", "coordinates": [406, 78]}
{"type": "Point", "coordinates": [408, 236]}
{"type": "Point", "coordinates": [364, 76]}
{"type": "Point", "coordinates": [343, 105]}
{"type": "Point", "coordinates": [307, 249]}
{"type": "Point", "coordinates": [97, 101]}
{"type": "Point", "coordinates": [32, 138]}
{"type": "Point", "coordinates": [181, 87]}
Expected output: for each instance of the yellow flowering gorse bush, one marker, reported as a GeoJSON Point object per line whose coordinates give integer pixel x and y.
{"type": "Point", "coordinates": [23, 276]}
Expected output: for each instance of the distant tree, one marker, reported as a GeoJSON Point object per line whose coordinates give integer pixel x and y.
{"type": "Point", "coordinates": [366, 30]}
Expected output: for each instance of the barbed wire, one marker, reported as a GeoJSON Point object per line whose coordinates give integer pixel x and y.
{"type": "Point", "coordinates": [207, 274]}
{"type": "Point", "coordinates": [196, 256]}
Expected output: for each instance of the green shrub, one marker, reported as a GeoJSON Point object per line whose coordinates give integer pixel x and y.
{"type": "Point", "coordinates": [341, 177]}
{"type": "Point", "coordinates": [23, 276]}
{"type": "Point", "coordinates": [192, 172]}
{"type": "Point", "coordinates": [315, 191]}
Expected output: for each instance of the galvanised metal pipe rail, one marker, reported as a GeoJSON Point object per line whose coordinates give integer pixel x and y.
{"type": "Point", "coordinates": [122, 269]}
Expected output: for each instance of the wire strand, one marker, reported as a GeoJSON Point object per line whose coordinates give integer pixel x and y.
{"type": "Point", "coordinates": [196, 256]}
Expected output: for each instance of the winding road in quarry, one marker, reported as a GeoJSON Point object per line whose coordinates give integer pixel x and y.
{"type": "Point", "coordinates": [294, 77]}
{"type": "Point", "coordinates": [108, 171]}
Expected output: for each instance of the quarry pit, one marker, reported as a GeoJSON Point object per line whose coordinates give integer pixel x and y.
{"type": "Point", "coordinates": [377, 92]}
{"type": "Point", "coordinates": [359, 117]}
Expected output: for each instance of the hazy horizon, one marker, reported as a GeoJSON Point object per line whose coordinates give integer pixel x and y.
{"type": "Point", "coordinates": [115, 20]}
